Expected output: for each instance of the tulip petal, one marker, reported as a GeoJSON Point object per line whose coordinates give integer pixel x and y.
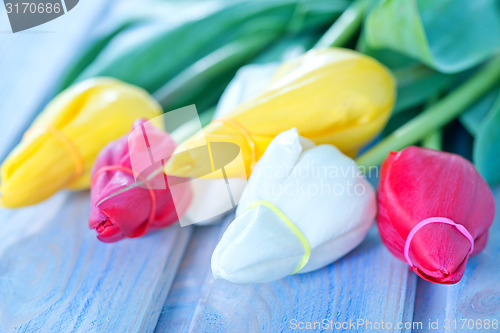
{"type": "Point", "coordinates": [123, 206]}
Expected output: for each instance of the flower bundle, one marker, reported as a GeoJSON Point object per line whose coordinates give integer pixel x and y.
{"type": "Point", "coordinates": [295, 216]}
{"type": "Point", "coordinates": [434, 208]}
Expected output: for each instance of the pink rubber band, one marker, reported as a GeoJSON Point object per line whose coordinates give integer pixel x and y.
{"type": "Point", "coordinates": [430, 220]}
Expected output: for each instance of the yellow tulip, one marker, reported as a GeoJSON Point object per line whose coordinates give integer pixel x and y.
{"type": "Point", "coordinates": [335, 96]}
{"type": "Point", "coordinates": [61, 145]}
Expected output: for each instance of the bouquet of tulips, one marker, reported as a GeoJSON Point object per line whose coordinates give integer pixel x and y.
{"type": "Point", "coordinates": [384, 75]}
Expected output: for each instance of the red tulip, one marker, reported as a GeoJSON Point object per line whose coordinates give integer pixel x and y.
{"type": "Point", "coordinates": [446, 191]}
{"type": "Point", "coordinates": [140, 209]}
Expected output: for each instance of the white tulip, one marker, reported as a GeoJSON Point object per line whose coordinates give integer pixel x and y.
{"type": "Point", "coordinates": [299, 196]}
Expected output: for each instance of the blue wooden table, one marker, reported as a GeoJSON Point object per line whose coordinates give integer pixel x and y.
{"type": "Point", "coordinates": [55, 276]}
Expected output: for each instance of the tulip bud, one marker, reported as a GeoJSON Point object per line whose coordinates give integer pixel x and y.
{"type": "Point", "coordinates": [122, 207]}
{"type": "Point", "coordinates": [304, 207]}
{"type": "Point", "coordinates": [61, 145]}
{"type": "Point", "coordinates": [334, 96]}
{"type": "Point", "coordinates": [248, 82]}
{"type": "Point", "coordinates": [434, 211]}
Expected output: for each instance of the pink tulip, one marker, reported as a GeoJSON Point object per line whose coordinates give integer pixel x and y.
{"type": "Point", "coordinates": [447, 204]}
{"type": "Point", "coordinates": [140, 209]}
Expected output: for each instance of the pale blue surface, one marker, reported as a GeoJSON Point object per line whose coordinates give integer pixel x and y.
{"type": "Point", "coordinates": [56, 277]}
{"type": "Point", "coordinates": [367, 284]}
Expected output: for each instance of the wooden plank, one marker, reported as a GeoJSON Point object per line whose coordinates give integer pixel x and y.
{"type": "Point", "coordinates": [56, 276]}
{"type": "Point", "coordinates": [476, 297]}
{"type": "Point", "coordinates": [187, 287]}
{"type": "Point", "coordinates": [367, 284]}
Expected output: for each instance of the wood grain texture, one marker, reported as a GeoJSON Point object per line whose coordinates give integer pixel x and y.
{"type": "Point", "coordinates": [367, 284]}
{"type": "Point", "coordinates": [187, 287]}
{"type": "Point", "coordinates": [55, 276]}
{"type": "Point", "coordinates": [475, 297]}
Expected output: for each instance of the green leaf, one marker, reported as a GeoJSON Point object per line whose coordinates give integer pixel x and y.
{"type": "Point", "coordinates": [473, 118]}
{"type": "Point", "coordinates": [157, 51]}
{"type": "Point", "coordinates": [159, 13]}
{"type": "Point", "coordinates": [487, 146]}
{"type": "Point", "coordinates": [416, 83]}
{"type": "Point", "coordinates": [448, 35]}
{"type": "Point", "coordinates": [91, 54]}
{"type": "Point", "coordinates": [198, 77]}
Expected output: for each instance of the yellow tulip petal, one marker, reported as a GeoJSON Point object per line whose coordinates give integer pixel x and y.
{"type": "Point", "coordinates": [332, 95]}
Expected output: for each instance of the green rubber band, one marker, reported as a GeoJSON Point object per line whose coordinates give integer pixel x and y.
{"type": "Point", "coordinates": [296, 231]}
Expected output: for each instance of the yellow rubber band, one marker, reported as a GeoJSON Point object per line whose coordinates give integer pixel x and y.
{"type": "Point", "coordinates": [296, 231]}
{"type": "Point", "coordinates": [66, 142]}
{"type": "Point", "coordinates": [211, 157]}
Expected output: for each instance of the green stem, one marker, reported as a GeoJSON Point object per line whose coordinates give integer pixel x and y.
{"type": "Point", "coordinates": [435, 116]}
{"type": "Point", "coordinates": [346, 26]}
{"type": "Point", "coordinates": [434, 140]}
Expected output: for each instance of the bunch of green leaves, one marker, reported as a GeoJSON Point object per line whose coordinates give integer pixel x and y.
{"type": "Point", "coordinates": [437, 51]}
{"type": "Point", "coordinates": [186, 52]}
